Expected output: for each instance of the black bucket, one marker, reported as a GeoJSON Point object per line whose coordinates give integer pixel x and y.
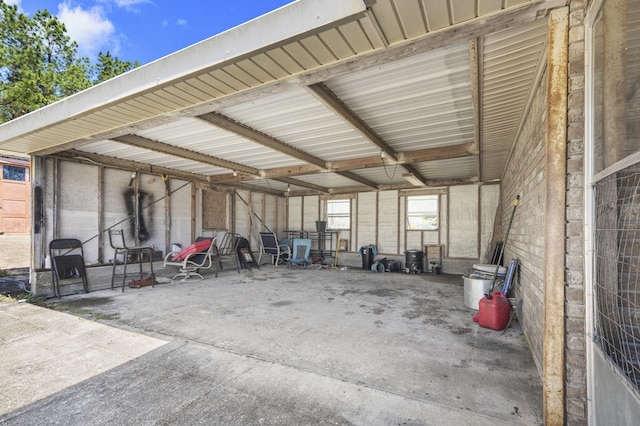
{"type": "Point", "coordinates": [414, 261]}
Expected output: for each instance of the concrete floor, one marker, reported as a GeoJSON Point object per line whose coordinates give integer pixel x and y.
{"type": "Point", "coordinates": [15, 251]}
{"type": "Point", "coordinates": [274, 346]}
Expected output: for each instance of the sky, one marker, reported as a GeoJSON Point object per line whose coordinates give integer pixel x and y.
{"type": "Point", "coordinates": [145, 30]}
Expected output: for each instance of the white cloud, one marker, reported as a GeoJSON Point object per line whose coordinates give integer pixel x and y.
{"type": "Point", "coordinates": [130, 4]}
{"type": "Point", "coordinates": [90, 28]}
{"type": "Point", "coordinates": [181, 22]}
{"type": "Point", "coordinates": [165, 23]}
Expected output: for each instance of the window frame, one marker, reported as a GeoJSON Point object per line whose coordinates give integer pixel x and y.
{"type": "Point", "coordinates": [409, 213]}
{"type": "Point", "coordinates": [330, 215]}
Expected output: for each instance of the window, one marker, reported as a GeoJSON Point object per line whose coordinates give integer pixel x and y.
{"type": "Point", "coordinates": [14, 173]}
{"type": "Point", "coordinates": [339, 214]}
{"type": "Point", "coordinates": [422, 212]}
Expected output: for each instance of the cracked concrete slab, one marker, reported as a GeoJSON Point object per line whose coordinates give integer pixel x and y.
{"type": "Point", "coordinates": [294, 346]}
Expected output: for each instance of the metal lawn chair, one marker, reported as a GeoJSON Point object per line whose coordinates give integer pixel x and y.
{"type": "Point", "coordinates": [271, 246]}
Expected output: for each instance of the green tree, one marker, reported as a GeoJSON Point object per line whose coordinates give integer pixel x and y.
{"type": "Point", "coordinates": [39, 63]}
{"type": "Point", "coordinates": [109, 66]}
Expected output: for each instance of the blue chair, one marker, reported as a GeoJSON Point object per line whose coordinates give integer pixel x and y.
{"type": "Point", "coordinates": [300, 252]}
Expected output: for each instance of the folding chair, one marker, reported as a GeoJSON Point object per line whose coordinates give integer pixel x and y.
{"type": "Point", "coordinates": [229, 247]}
{"type": "Point", "coordinates": [271, 247]}
{"type": "Point", "coordinates": [300, 252]}
{"type": "Point", "coordinates": [67, 263]}
{"type": "Point", "coordinates": [120, 248]}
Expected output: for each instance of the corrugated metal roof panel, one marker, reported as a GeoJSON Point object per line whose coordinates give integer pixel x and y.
{"type": "Point", "coordinates": [427, 93]}
{"type": "Point", "coordinates": [298, 119]}
{"type": "Point", "coordinates": [452, 168]}
{"type": "Point", "coordinates": [510, 60]}
{"type": "Point", "coordinates": [132, 153]}
{"type": "Point", "coordinates": [271, 184]}
{"type": "Point", "coordinates": [388, 175]}
{"type": "Point", "coordinates": [197, 135]}
{"type": "Point", "coordinates": [328, 180]}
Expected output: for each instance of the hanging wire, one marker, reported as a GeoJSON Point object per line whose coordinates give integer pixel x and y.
{"type": "Point", "coordinates": [395, 167]}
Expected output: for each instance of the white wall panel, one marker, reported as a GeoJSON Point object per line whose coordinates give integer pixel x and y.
{"type": "Point", "coordinates": [78, 206]}
{"type": "Point", "coordinates": [295, 214]}
{"type": "Point", "coordinates": [414, 240]}
{"type": "Point", "coordinates": [443, 223]}
{"type": "Point", "coordinates": [430, 237]}
{"type": "Point", "coordinates": [388, 222]}
{"type": "Point", "coordinates": [242, 215]}
{"type": "Point", "coordinates": [463, 221]}
{"type": "Point", "coordinates": [180, 212]}
{"type": "Point", "coordinates": [489, 203]}
{"type": "Point", "coordinates": [311, 212]}
{"type": "Point", "coordinates": [366, 219]}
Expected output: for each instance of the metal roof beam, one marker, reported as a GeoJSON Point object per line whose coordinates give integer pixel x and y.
{"type": "Point", "coordinates": [104, 160]}
{"type": "Point", "coordinates": [359, 179]}
{"type": "Point", "coordinates": [140, 142]}
{"type": "Point", "coordinates": [254, 135]}
{"type": "Point", "coordinates": [335, 104]}
{"type": "Point", "coordinates": [345, 166]}
{"type": "Point", "coordinates": [304, 184]}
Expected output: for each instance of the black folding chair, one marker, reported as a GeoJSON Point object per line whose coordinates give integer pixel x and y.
{"type": "Point", "coordinates": [67, 263]}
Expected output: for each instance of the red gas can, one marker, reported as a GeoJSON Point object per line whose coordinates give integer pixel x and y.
{"type": "Point", "coordinates": [494, 313]}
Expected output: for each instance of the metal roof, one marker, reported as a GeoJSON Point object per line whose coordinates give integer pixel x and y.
{"type": "Point", "coordinates": [318, 97]}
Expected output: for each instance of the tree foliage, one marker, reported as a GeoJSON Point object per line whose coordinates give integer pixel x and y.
{"type": "Point", "coordinates": [39, 63]}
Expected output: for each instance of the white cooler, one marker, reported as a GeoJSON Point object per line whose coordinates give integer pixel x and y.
{"type": "Point", "coordinates": [478, 281]}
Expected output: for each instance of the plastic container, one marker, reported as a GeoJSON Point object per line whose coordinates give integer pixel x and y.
{"type": "Point", "coordinates": [486, 270]}
{"type": "Point", "coordinates": [367, 258]}
{"type": "Point", "coordinates": [413, 261]}
{"type": "Point", "coordinates": [475, 289]}
{"type": "Point", "coordinates": [494, 313]}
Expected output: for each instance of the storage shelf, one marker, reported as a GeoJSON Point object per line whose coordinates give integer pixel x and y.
{"type": "Point", "coordinates": [323, 244]}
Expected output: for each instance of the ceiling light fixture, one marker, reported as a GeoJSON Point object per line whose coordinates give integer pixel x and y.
{"type": "Point", "coordinates": [288, 188]}
{"type": "Point", "coordinates": [235, 173]}
{"type": "Point", "coordinates": [382, 155]}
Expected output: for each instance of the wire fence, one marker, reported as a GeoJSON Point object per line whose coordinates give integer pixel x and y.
{"type": "Point", "coordinates": [617, 270]}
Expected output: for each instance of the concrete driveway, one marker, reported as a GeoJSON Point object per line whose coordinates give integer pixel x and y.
{"type": "Point", "coordinates": [274, 346]}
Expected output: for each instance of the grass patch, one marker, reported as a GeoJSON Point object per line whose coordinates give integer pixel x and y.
{"type": "Point", "coordinates": [61, 307]}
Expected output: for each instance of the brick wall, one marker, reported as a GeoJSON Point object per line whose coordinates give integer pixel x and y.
{"type": "Point", "coordinates": [524, 176]}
